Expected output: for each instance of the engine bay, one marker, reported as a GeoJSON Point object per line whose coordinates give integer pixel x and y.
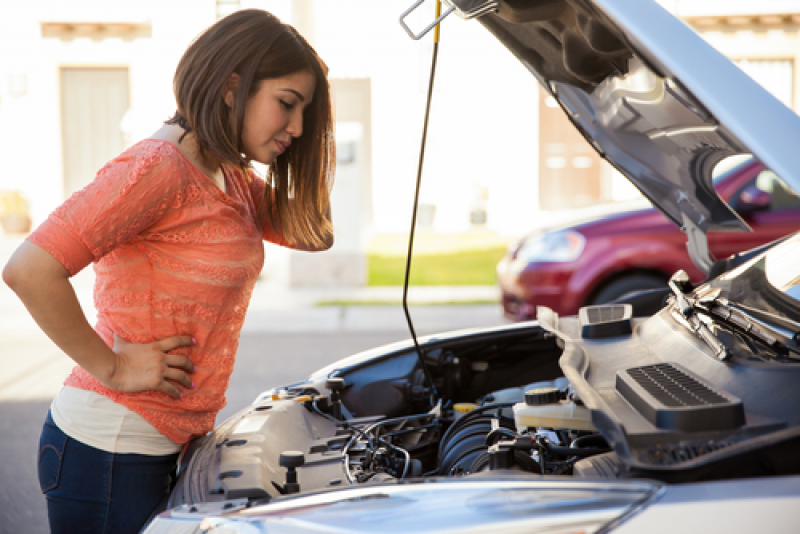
{"type": "Point", "coordinates": [615, 399]}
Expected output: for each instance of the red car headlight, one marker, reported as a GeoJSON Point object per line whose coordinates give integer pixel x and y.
{"type": "Point", "coordinates": [562, 246]}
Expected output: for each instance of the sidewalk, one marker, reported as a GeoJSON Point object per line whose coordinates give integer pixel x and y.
{"type": "Point", "coordinates": [437, 308]}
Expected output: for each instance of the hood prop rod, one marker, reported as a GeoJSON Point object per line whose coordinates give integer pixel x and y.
{"type": "Point", "coordinates": [421, 357]}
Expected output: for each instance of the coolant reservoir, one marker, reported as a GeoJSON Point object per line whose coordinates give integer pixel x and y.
{"type": "Point", "coordinates": [543, 407]}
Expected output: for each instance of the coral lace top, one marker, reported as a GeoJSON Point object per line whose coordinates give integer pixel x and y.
{"type": "Point", "coordinates": [173, 255]}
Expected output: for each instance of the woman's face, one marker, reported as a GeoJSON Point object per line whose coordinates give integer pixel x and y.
{"type": "Point", "coordinates": [273, 116]}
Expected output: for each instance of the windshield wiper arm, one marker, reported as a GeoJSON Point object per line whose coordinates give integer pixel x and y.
{"type": "Point", "coordinates": [769, 334]}
{"type": "Point", "coordinates": [689, 310]}
{"type": "Point", "coordinates": [776, 336]}
{"type": "Point", "coordinates": [783, 326]}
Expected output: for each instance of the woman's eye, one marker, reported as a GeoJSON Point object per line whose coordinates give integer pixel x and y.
{"type": "Point", "coordinates": [286, 105]}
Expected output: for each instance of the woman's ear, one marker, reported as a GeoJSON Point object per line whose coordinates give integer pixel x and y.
{"type": "Point", "coordinates": [230, 89]}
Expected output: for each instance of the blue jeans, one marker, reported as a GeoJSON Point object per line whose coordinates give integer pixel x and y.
{"type": "Point", "coordinates": [94, 491]}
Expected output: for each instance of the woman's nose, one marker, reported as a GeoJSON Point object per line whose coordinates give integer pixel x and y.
{"type": "Point", "coordinates": [295, 126]}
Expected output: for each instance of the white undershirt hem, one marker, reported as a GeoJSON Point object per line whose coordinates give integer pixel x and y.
{"type": "Point", "coordinates": [101, 423]}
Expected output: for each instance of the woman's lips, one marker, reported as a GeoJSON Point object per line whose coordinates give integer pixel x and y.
{"type": "Point", "coordinates": [282, 146]}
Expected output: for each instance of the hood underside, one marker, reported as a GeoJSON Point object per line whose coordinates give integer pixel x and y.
{"type": "Point", "coordinates": [652, 97]}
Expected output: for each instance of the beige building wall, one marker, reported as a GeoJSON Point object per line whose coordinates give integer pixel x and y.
{"type": "Point", "coordinates": [40, 40]}
{"type": "Point", "coordinates": [474, 144]}
{"type": "Point", "coordinates": [483, 137]}
{"type": "Point", "coordinates": [765, 46]}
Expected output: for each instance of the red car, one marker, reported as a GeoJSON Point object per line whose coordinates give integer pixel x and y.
{"type": "Point", "coordinates": [601, 260]}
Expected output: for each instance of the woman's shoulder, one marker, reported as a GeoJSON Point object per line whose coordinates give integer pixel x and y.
{"type": "Point", "coordinates": [149, 149]}
{"type": "Point", "coordinates": [147, 157]}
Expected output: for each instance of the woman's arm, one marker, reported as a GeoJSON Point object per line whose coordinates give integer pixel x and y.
{"type": "Point", "coordinates": [43, 285]}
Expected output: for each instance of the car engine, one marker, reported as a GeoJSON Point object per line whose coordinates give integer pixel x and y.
{"type": "Point", "coordinates": [602, 395]}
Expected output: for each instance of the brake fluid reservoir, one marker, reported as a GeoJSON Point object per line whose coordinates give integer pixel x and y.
{"type": "Point", "coordinates": [464, 407]}
{"type": "Point", "coordinates": [543, 407]}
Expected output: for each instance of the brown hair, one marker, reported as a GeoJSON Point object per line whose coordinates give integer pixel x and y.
{"type": "Point", "coordinates": [257, 46]}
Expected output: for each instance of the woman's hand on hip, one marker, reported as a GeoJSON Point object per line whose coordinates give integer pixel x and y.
{"type": "Point", "coordinates": [146, 366]}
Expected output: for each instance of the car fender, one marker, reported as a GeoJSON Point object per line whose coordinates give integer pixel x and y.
{"type": "Point", "coordinates": [609, 257]}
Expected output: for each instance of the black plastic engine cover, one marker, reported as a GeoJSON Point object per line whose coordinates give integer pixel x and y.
{"type": "Point", "coordinates": [743, 408]}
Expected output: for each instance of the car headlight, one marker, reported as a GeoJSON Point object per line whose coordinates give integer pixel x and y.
{"type": "Point", "coordinates": [562, 246]}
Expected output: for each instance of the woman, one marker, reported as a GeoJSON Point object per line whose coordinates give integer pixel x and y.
{"type": "Point", "coordinates": [175, 228]}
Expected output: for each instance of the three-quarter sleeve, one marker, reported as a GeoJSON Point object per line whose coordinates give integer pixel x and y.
{"type": "Point", "coordinates": [126, 197]}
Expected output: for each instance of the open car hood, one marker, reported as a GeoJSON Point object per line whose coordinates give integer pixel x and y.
{"type": "Point", "coordinates": [652, 97]}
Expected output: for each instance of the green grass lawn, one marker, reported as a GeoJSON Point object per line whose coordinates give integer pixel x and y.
{"type": "Point", "coordinates": [439, 260]}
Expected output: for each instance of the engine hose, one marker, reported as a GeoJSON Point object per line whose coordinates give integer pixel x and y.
{"type": "Point", "coordinates": [462, 446]}
{"type": "Point", "coordinates": [590, 440]}
{"type": "Point", "coordinates": [521, 459]}
{"type": "Point", "coordinates": [466, 419]}
{"type": "Point", "coordinates": [478, 425]}
{"type": "Point", "coordinates": [480, 463]}
{"type": "Point", "coordinates": [573, 451]}
{"type": "Point", "coordinates": [468, 441]}
{"type": "Point", "coordinates": [497, 434]}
